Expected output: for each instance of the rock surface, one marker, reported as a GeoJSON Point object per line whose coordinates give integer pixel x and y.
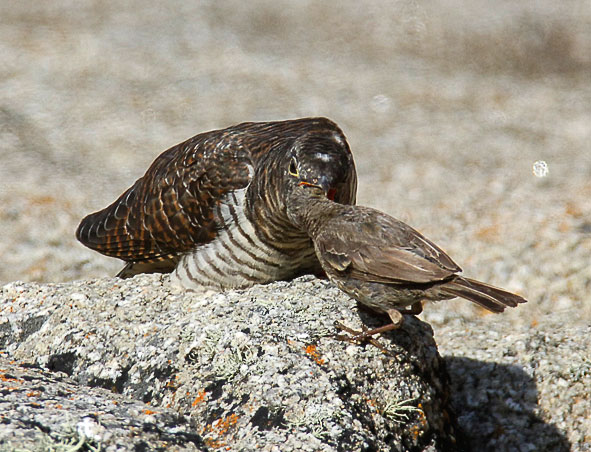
{"type": "Point", "coordinates": [46, 410]}
{"type": "Point", "coordinates": [520, 388]}
{"type": "Point", "coordinates": [259, 368]}
{"type": "Point", "coordinates": [262, 367]}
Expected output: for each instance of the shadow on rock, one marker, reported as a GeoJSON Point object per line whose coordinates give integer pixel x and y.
{"type": "Point", "coordinates": [495, 405]}
{"type": "Point", "coordinates": [492, 406]}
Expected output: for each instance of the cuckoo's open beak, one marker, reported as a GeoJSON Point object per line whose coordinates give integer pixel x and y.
{"type": "Point", "coordinates": [322, 183]}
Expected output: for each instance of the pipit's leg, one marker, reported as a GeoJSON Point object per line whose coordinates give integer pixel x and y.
{"type": "Point", "coordinates": [397, 321]}
{"type": "Point", "coordinates": [357, 337]}
{"type": "Point", "coordinates": [367, 335]}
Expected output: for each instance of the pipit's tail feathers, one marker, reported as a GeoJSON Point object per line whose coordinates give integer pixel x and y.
{"type": "Point", "coordinates": [487, 296]}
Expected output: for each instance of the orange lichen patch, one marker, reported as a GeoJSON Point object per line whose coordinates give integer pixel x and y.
{"type": "Point", "coordinates": [172, 384]}
{"type": "Point", "coordinates": [213, 444]}
{"type": "Point", "coordinates": [417, 430]}
{"type": "Point", "coordinates": [533, 323]}
{"type": "Point", "coordinates": [222, 425]}
{"type": "Point", "coordinates": [422, 417]}
{"type": "Point", "coordinates": [217, 429]}
{"type": "Point", "coordinates": [149, 412]}
{"type": "Point", "coordinates": [34, 394]}
{"type": "Point", "coordinates": [313, 353]}
{"type": "Point", "coordinates": [200, 398]}
{"type": "Point", "coordinates": [3, 377]}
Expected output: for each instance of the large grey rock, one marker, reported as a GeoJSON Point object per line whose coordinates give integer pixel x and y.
{"type": "Point", "coordinates": [259, 368]}
{"type": "Point", "coordinates": [43, 410]}
{"type": "Point", "coordinates": [262, 367]}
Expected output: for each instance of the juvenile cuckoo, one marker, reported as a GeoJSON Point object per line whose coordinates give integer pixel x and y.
{"type": "Point", "coordinates": [212, 210]}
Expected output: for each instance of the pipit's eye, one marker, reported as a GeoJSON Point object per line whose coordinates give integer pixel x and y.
{"type": "Point", "coordinates": [293, 168]}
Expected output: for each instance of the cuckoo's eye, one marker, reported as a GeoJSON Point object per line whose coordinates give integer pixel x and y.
{"type": "Point", "coordinates": [293, 168]}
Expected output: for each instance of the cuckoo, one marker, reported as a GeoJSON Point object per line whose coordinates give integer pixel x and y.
{"type": "Point", "coordinates": [382, 262]}
{"type": "Point", "coordinates": [212, 210]}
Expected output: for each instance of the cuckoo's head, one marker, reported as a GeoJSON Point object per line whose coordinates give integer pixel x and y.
{"type": "Point", "coordinates": [322, 162]}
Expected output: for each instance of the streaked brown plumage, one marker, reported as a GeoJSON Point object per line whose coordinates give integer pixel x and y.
{"type": "Point", "coordinates": [383, 263]}
{"type": "Point", "coordinates": [213, 207]}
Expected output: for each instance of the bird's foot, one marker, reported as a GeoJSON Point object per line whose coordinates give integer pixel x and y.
{"type": "Point", "coordinates": [360, 337]}
{"type": "Point", "coordinates": [367, 335]}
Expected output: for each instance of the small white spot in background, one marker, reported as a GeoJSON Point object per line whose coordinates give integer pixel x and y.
{"type": "Point", "coordinates": [381, 103]}
{"type": "Point", "coordinates": [540, 168]}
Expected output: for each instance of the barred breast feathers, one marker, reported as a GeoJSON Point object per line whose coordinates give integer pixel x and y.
{"type": "Point", "coordinates": [238, 257]}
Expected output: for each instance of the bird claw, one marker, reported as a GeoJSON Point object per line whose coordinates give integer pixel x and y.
{"type": "Point", "coordinates": [358, 337]}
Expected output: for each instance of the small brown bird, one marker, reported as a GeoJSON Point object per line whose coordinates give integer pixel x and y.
{"type": "Point", "coordinates": [382, 262]}
{"type": "Point", "coordinates": [212, 210]}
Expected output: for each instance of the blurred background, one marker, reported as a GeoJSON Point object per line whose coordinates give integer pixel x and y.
{"type": "Point", "coordinates": [447, 105]}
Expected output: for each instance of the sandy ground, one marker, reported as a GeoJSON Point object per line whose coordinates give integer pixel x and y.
{"type": "Point", "coordinates": [446, 105]}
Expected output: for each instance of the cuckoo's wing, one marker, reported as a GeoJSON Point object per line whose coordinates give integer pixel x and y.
{"type": "Point", "coordinates": [382, 249]}
{"type": "Point", "coordinates": [170, 209]}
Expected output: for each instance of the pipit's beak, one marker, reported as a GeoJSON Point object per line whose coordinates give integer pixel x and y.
{"type": "Point", "coordinates": [322, 184]}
